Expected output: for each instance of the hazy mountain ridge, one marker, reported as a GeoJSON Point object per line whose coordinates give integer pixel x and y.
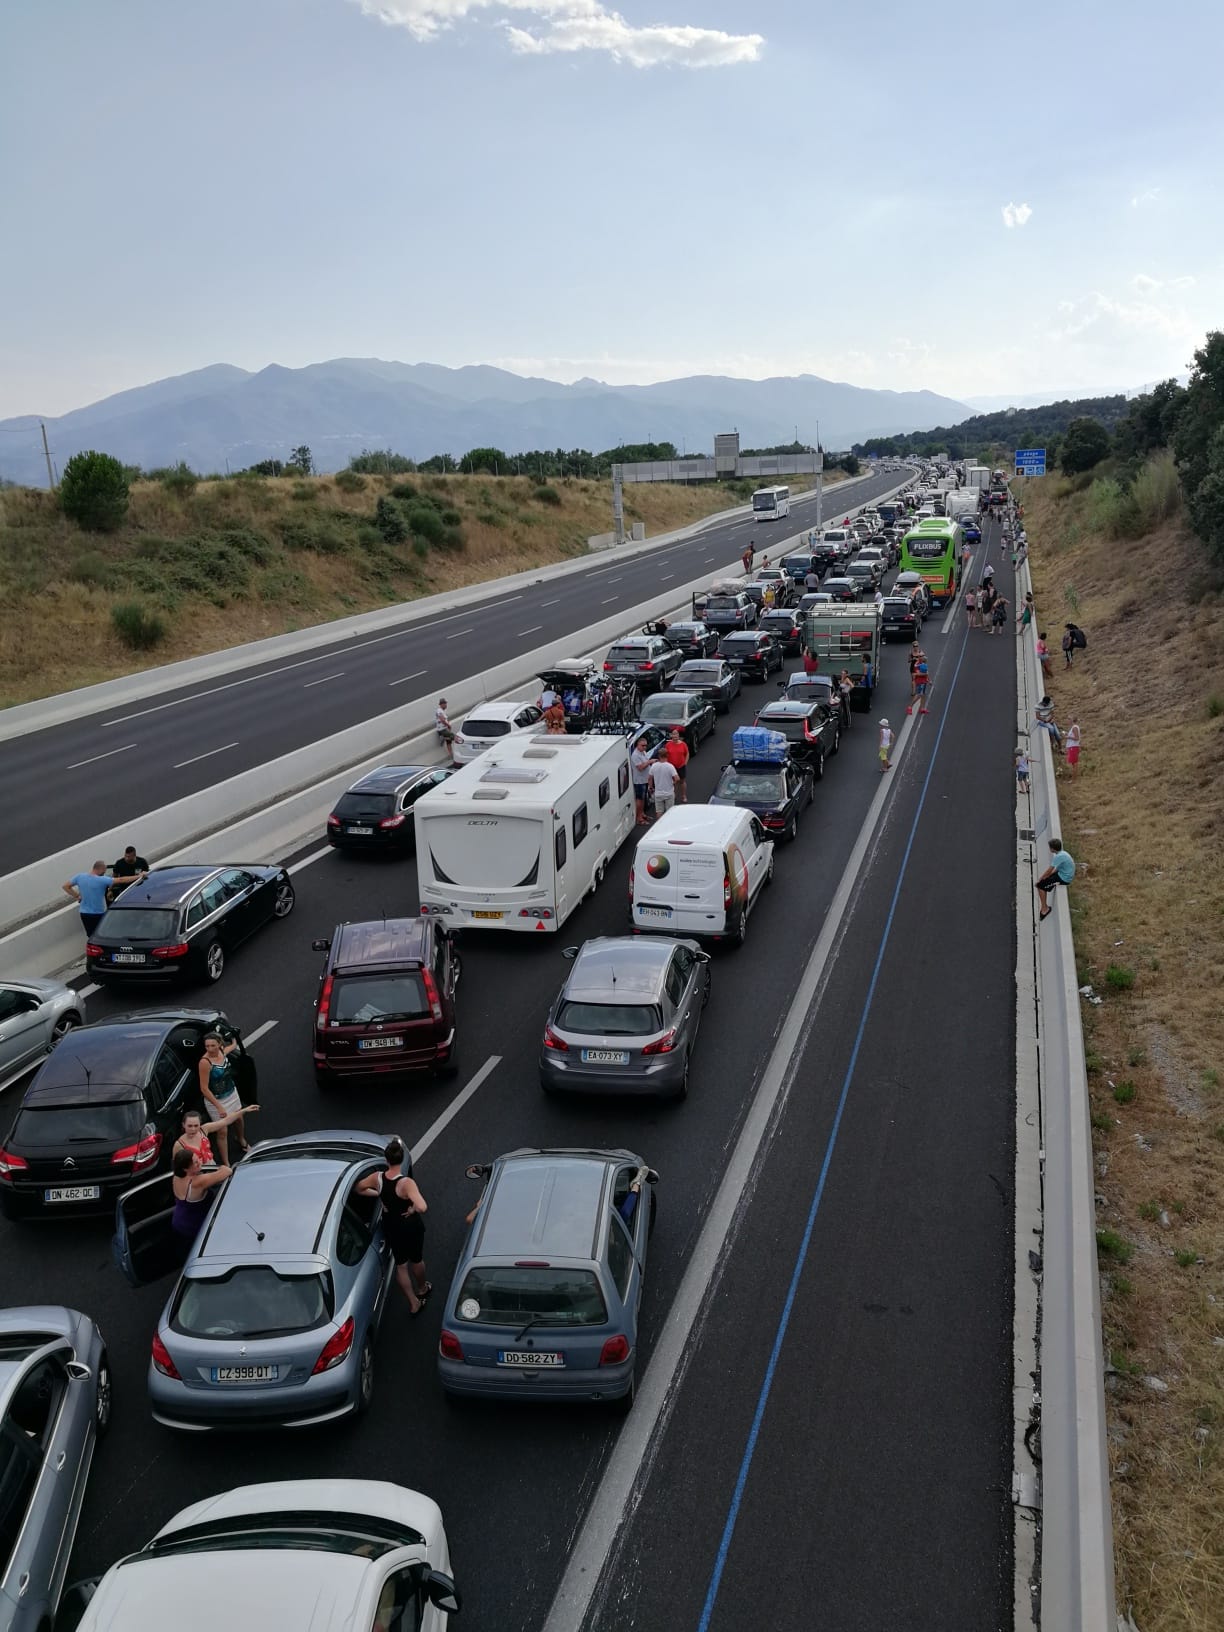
{"type": "Point", "coordinates": [223, 416]}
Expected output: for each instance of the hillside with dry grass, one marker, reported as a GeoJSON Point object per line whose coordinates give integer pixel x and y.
{"type": "Point", "coordinates": [207, 565]}
{"type": "Point", "coordinates": [1145, 821]}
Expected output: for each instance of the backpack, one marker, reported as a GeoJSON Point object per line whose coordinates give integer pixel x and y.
{"type": "Point", "coordinates": [1079, 638]}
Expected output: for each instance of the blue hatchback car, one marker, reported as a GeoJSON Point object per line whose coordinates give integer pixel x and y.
{"type": "Point", "coordinates": [544, 1303]}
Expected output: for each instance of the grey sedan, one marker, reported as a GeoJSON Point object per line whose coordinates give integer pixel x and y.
{"type": "Point", "coordinates": [710, 678]}
{"type": "Point", "coordinates": [626, 1019]}
{"type": "Point", "coordinates": [55, 1398]}
{"type": "Point", "coordinates": [275, 1316]}
{"type": "Point", "coordinates": [34, 1015]}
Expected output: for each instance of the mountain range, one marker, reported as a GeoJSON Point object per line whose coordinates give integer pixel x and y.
{"type": "Point", "coordinates": [222, 417]}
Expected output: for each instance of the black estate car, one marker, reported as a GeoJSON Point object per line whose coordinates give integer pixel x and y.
{"type": "Point", "coordinates": [811, 729]}
{"type": "Point", "coordinates": [185, 921]}
{"type": "Point", "coordinates": [775, 793]}
{"type": "Point", "coordinates": [105, 1109]}
{"type": "Point", "coordinates": [376, 812]}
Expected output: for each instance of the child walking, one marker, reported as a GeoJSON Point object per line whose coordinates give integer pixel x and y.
{"type": "Point", "coordinates": [886, 739]}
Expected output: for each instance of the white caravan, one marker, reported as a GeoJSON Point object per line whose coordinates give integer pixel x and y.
{"type": "Point", "coordinates": [516, 839]}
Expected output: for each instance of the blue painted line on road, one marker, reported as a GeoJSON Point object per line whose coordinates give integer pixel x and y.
{"type": "Point", "coordinates": [724, 1546]}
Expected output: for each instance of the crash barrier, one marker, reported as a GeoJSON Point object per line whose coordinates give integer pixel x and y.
{"type": "Point", "coordinates": [1077, 1580]}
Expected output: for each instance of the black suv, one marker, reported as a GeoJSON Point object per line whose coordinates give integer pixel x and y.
{"type": "Point", "coordinates": [376, 813]}
{"type": "Point", "coordinates": [184, 921]}
{"type": "Point", "coordinates": [386, 1001]}
{"type": "Point", "coordinates": [106, 1108]}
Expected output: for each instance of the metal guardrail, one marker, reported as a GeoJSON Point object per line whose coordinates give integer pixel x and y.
{"type": "Point", "coordinates": [1077, 1577]}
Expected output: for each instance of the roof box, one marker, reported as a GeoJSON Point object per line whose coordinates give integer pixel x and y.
{"type": "Point", "coordinates": [754, 745]}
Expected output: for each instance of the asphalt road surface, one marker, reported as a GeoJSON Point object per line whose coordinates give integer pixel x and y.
{"type": "Point", "coordinates": [838, 1451]}
{"type": "Point", "coordinates": [66, 783]}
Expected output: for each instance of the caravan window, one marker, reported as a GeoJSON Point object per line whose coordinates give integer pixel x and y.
{"type": "Point", "coordinates": [559, 848]}
{"type": "Point", "coordinates": [622, 780]}
{"type": "Point", "coordinates": [580, 825]}
{"type": "Point", "coordinates": [605, 792]}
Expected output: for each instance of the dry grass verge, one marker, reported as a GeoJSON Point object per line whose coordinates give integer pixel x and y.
{"type": "Point", "coordinates": [1144, 821]}
{"type": "Point", "coordinates": [239, 559]}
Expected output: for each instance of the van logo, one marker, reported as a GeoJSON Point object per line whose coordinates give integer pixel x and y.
{"type": "Point", "coordinates": [658, 866]}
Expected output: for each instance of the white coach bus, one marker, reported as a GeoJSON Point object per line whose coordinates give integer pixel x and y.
{"type": "Point", "coordinates": [768, 503]}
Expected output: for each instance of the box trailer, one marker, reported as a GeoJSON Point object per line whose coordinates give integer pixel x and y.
{"type": "Point", "coordinates": [847, 637]}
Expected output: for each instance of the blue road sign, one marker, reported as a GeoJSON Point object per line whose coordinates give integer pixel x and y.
{"type": "Point", "coordinates": [1030, 462]}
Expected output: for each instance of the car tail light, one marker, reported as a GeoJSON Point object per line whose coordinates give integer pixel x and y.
{"type": "Point", "coordinates": [663, 1046]}
{"type": "Point", "coordinates": [607, 668]}
{"type": "Point", "coordinates": [394, 821]}
{"type": "Point", "coordinates": [534, 912]}
{"type": "Point", "coordinates": [10, 1164]}
{"type": "Point", "coordinates": [614, 1351]}
{"type": "Point", "coordinates": [773, 821]}
{"type": "Point", "coordinates": [449, 1346]}
{"type": "Point", "coordinates": [431, 995]}
{"type": "Point", "coordinates": [335, 1349]}
{"type": "Point", "coordinates": [162, 1360]}
{"type": "Point", "coordinates": [321, 1017]}
{"type": "Point", "coordinates": [333, 820]}
{"type": "Point", "coordinates": [807, 735]}
{"type": "Point", "coordinates": [551, 1040]}
{"type": "Point", "coordinates": [180, 949]}
{"type": "Point", "coordinates": [645, 667]}
{"type": "Point", "coordinates": [140, 1154]}
{"type": "Point", "coordinates": [631, 886]}
{"type": "Point", "coordinates": [92, 949]}
{"type": "Point", "coordinates": [726, 893]}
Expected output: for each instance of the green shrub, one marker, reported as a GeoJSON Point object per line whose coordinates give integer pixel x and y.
{"type": "Point", "coordinates": [348, 481]}
{"type": "Point", "coordinates": [452, 540]}
{"type": "Point", "coordinates": [1156, 492]}
{"type": "Point", "coordinates": [1124, 1092]}
{"type": "Point", "coordinates": [546, 495]}
{"type": "Point", "coordinates": [181, 480]}
{"type": "Point", "coordinates": [404, 490]}
{"type": "Point", "coordinates": [94, 492]}
{"type": "Point", "coordinates": [1111, 1245]}
{"type": "Point", "coordinates": [1215, 706]}
{"type": "Point", "coordinates": [285, 586]}
{"type": "Point", "coordinates": [92, 570]}
{"type": "Point", "coordinates": [304, 492]}
{"type": "Point", "coordinates": [420, 548]}
{"type": "Point", "coordinates": [1112, 511]}
{"type": "Point", "coordinates": [390, 521]}
{"type": "Point", "coordinates": [451, 516]}
{"type": "Point", "coordinates": [136, 627]}
{"type": "Point", "coordinates": [491, 518]}
{"type": "Point", "coordinates": [1185, 1259]}
{"type": "Point", "coordinates": [1120, 977]}
{"type": "Point", "coordinates": [425, 521]}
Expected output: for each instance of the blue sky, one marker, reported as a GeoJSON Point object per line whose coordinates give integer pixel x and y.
{"type": "Point", "coordinates": [631, 190]}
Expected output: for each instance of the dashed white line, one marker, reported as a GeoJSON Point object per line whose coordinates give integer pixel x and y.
{"type": "Point", "coordinates": [306, 861]}
{"type": "Point", "coordinates": [404, 678]}
{"type": "Point", "coordinates": [324, 680]}
{"type": "Point", "coordinates": [198, 757]}
{"type": "Point", "coordinates": [534, 630]}
{"type": "Point", "coordinates": [260, 1031]}
{"type": "Point", "coordinates": [557, 602]}
{"type": "Point", "coordinates": [459, 634]}
{"type": "Point", "coordinates": [88, 991]}
{"type": "Point", "coordinates": [663, 577]}
{"type": "Point", "coordinates": [609, 600]}
{"type": "Point", "coordinates": [616, 580]}
{"type": "Point", "coordinates": [76, 765]}
{"type": "Point", "coordinates": [436, 1129]}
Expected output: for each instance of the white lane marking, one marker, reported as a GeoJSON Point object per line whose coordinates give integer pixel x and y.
{"type": "Point", "coordinates": [609, 600]}
{"type": "Point", "coordinates": [615, 580]}
{"type": "Point", "coordinates": [710, 558]}
{"type": "Point", "coordinates": [76, 765]}
{"type": "Point", "coordinates": [458, 634]}
{"type": "Point", "coordinates": [534, 630]}
{"type": "Point", "coordinates": [306, 861]}
{"type": "Point", "coordinates": [260, 1031]}
{"type": "Point", "coordinates": [436, 1129]}
{"type": "Point", "coordinates": [557, 602]}
{"type": "Point", "coordinates": [88, 991]}
{"type": "Point", "coordinates": [324, 680]}
{"type": "Point", "coordinates": [404, 678]}
{"type": "Point", "coordinates": [665, 576]}
{"type": "Point", "coordinates": [223, 750]}
{"type": "Point", "coordinates": [629, 1467]}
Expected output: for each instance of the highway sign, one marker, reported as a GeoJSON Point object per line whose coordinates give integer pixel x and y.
{"type": "Point", "coordinates": [1030, 462]}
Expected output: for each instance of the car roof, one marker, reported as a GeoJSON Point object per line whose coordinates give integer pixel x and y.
{"type": "Point", "coordinates": [272, 1210]}
{"type": "Point", "coordinates": [165, 886]}
{"type": "Point", "coordinates": [620, 966]}
{"type": "Point", "coordinates": [323, 1586]}
{"type": "Point", "coordinates": [544, 1204]}
{"type": "Point", "coordinates": [498, 711]}
{"type": "Point", "coordinates": [379, 943]}
{"type": "Point", "coordinates": [389, 778]}
{"type": "Point", "coordinates": [789, 708]}
{"type": "Point", "coordinates": [26, 1329]}
{"type": "Point", "coordinates": [95, 1057]}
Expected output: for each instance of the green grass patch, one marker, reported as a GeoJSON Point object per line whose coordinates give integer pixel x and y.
{"type": "Point", "coordinates": [1113, 1246]}
{"type": "Point", "coordinates": [138, 628]}
{"type": "Point", "coordinates": [1119, 977]}
{"type": "Point", "coordinates": [1124, 1092]}
{"type": "Point", "coordinates": [1185, 1258]}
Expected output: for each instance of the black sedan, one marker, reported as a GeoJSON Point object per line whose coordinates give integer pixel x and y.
{"type": "Point", "coordinates": [813, 730]}
{"type": "Point", "coordinates": [775, 793]}
{"type": "Point", "coordinates": [755, 655]}
{"type": "Point", "coordinates": [786, 628]}
{"type": "Point", "coordinates": [185, 921]}
{"type": "Point", "coordinates": [683, 711]}
{"type": "Point", "coordinates": [692, 639]}
{"type": "Point", "coordinates": [710, 678]}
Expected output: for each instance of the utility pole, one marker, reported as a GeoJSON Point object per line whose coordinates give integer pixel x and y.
{"type": "Point", "coordinates": [618, 504]}
{"type": "Point", "coordinates": [47, 456]}
{"type": "Point", "coordinates": [819, 479]}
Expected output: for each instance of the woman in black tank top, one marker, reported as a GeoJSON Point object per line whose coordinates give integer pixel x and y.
{"type": "Point", "coordinates": [403, 1224]}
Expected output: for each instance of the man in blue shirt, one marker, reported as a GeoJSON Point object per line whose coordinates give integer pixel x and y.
{"type": "Point", "coordinates": [1060, 871]}
{"type": "Point", "coordinates": [89, 890]}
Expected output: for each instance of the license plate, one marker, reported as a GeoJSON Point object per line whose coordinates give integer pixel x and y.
{"type": "Point", "coordinates": [488, 915]}
{"type": "Point", "coordinates": [362, 831]}
{"type": "Point", "coordinates": [605, 1056]}
{"type": "Point", "coordinates": [74, 1192]}
{"type": "Point", "coordinates": [245, 1374]}
{"type": "Point", "coordinates": [127, 957]}
{"type": "Point", "coordinates": [654, 912]}
{"type": "Point", "coordinates": [381, 1042]}
{"type": "Point", "coordinates": [530, 1357]}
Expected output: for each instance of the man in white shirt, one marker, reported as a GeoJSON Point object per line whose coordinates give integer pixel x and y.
{"type": "Point", "coordinates": [639, 764]}
{"type": "Point", "coordinates": [663, 779]}
{"type": "Point", "coordinates": [442, 724]}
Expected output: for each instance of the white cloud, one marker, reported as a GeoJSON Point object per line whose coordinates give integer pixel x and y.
{"type": "Point", "coordinates": [575, 25]}
{"type": "Point", "coordinates": [1149, 286]}
{"type": "Point", "coordinates": [1015, 215]}
{"type": "Point", "coordinates": [1149, 196]}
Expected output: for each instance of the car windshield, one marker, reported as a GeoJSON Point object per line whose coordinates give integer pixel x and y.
{"type": "Point", "coordinates": [761, 787]}
{"type": "Point", "coordinates": [486, 728]}
{"type": "Point", "coordinates": [722, 603]}
{"type": "Point", "coordinates": [511, 1295]}
{"type": "Point", "coordinates": [739, 643]}
{"type": "Point", "coordinates": [138, 924]}
{"type": "Point", "coordinates": [46, 1129]}
{"type": "Point", "coordinates": [777, 620]}
{"type": "Point", "coordinates": [790, 725]}
{"type": "Point", "coordinates": [610, 1019]}
{"type": "Point", "coordinates": [360, 1000]}
{"type": "Point", "coordinates": [252, 1300]}
{"type": "Point", "coordinates": [627, 654]}
{"type": "Point", "coordinates": [664, 708]}
{"type": "Point", "coordinates": [699, 674]}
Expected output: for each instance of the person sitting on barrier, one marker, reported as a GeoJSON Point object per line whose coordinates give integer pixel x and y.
{"type": "Point", "coordinates": [1060, 871]}
{"type": "Point", "coordinates": [1044, 718]}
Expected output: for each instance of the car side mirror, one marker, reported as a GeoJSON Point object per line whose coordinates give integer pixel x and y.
{"type": "Point", "coordinates": [78, 1371]}
{"type": "Point", "coordinates": [441, 1592]}
{"type": "Point", "coordinates": [320, 946]}
{"type": "Point", "coordinates": [74, 1601]}
{"type": "Point", "coordinates": [570, 952]}
{"type": "Point", "coordinates": [651, 1176]}
{"type": "Point", "coordinates": [478, 1170]}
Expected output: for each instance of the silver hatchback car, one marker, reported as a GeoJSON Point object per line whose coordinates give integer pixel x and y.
{"type": "Point", "coordinates": [626, 1020]}
{"type": "Point", "coordinates": [275, 1316]}
{"type": "Point", "coordinates": [34, 1015]}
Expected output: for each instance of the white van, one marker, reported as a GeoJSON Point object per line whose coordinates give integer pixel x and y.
{"type": "Point", "coordinates": [700, 871]}
{"type": "Point", "coordinates": [516, 839]}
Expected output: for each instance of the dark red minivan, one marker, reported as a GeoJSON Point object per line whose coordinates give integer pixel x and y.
{"type": "Point", "coordinates": [386, 1003]}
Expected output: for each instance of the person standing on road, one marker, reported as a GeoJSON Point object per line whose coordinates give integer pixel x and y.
{"type": "Point", "coordinates": [1060, 871]}
{"type": "Point", "coordinates": [195, 1132]}
{"type": "Point", "coordinates": [811, 580]}
{"type": "Point", "coordinates": [970, 608]}
{"type": "Point", "coordinates": [639, 764]}
{"type": "Point", "coordinates": [442, 725]}
{"type": "Point", "coordinates": [676, 752]}
{"type": "Point", "coordinates": [88, 890]}
{"type": "Point", "coordinates": [1074, 744]}
{"type": "Point", "coordinates": [128, 870]}
{"type": "Point", "coordinates": [916, 656]}
{"type": "Point", "coordinates": [220, 1091]}
{"type": "Point", "coordinates": [998, 614]}
{"type": "Point", "coordinates": [1022, 770]}
{"type": "Point", "coordinates": [919, 682]}
{"type": "Point", "coordinates": [547, 698]}
{"type": "Point", "coordinates": [811, 663]}
{"type": "Point", "coordinates": [403, 1224]}
{"type": "Point", "coordinates": [1026, 613]}
{"type": "Point", "coordinates": [192, 1189]}
{"type": "Point", "coordinates": [886, 742]}
{"type": "Point", "coordinates": [663, 779]}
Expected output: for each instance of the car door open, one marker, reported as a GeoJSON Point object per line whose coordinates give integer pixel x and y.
{"type": "Point", "coordinates": [144, 1246]}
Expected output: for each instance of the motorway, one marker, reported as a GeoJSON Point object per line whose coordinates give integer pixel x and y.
{"type": "Point", "coordinates": [836, 1451]}
{"type": "Point", "coordinates": [63, 784]}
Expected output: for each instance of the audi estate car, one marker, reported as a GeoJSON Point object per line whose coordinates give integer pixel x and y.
{"type": "Point", "coordinates": [184, 921]}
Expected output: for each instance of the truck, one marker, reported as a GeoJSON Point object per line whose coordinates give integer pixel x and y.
{"type": "Point", "coordinates": [977, 476]}
{"type": "Point", "coordinates": [517, 838]}
{"type": "Point", "coordinates": [963, 502]}
{"type": "Point", "coordinates": [847, 637]}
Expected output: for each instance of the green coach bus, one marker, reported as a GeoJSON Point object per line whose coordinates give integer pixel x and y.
{"type": "Point", "coordinates": [933, 548]}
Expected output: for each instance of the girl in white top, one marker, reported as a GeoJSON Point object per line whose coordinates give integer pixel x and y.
{"type": "Point", "coordinates": [886, 740]}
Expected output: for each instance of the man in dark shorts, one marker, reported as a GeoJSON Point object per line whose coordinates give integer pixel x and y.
{"type": "Point", "coordinates": [1060, 871]}
{"type": "Point", "coordinates": [402, 1222]}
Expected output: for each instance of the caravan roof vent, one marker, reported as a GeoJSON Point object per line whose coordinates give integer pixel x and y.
{"type": "Point", "coordinates": [511, 773]}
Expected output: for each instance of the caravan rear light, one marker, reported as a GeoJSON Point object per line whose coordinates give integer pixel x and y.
{"type": "Point", "coordinates": [551, 1040]}
{"type": "Point", "coordinates": [534, 912]}
{"type": "Point", "coordinates": [431, 994]}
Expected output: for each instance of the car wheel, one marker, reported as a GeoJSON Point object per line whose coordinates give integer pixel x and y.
{"type": "Point", "coordinates": [624, 1405]}
{"type": "Point", "coordinates": [836, 748]}
{"type": "Point", "coordinates": [365, 1378]}
{"type": "Point", "coordinates": [682, 1089]}
{"type": "Point", "coordinates": [792, 831]}
{"type": "Point", "coordinates": [285, 899]}
{"type": "Point", "coordinates": [741, 930]}
{"type": "Point", "coordinates": [818, 765]}
{"type": "Point", "coordinates": [769, 874]}
{"type": "Point", "coordinates": [214, 962]}
{"type": "Point", "coordinates": [63, 1026]}
{"type": "Point", "coordinates": [102, 1399]}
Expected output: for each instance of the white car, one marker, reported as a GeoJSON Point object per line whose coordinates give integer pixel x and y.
{"type": "Point", "coordinates": [490, 723]}
{"type": "Point", "coordinates": [34, 1015]}
{"type": "Point", "coordinates": [331, 1555]}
